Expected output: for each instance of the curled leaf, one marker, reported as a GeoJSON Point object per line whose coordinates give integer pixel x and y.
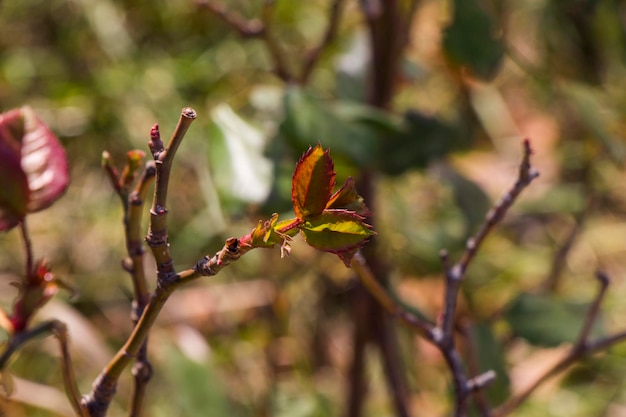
{"type": "Point", "coordinates": [347, 198]}
{"type": "Point", "coordinates": [312, 183]}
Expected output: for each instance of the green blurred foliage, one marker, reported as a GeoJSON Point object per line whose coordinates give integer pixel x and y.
{"type": "Point", "coordinates": [102, 72]}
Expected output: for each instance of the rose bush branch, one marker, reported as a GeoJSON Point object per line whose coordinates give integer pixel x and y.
{"type": "Point", "coordinates": [57, 329]}
{"type": "Point", "coordinates": [261, 29]}
{"type": "Point", "coordinates": [581, 349]}
{"type": "Point", "coordinates": [135, 347]}
{"type": "Point", "coordinates": [442, 335]}
{"type": "Point", "coordinates": [331, 222]}
{"type": "Point", "coordinates": [133, 205]}
{"type": "Point", "coordinates": [312, 56]}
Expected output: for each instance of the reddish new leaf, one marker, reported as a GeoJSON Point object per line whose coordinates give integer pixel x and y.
{"type": "Point", "coordinates": [134, 160]}
{"type": "Point", "coordinates": [13, 182]}
{"type": "Point", "coordinates": [347, 198]}
{"type": "Point", "coordinates": [44, 162]}
{"type": "Point", "coordinates": [40, 285]}
{"type": "Point", "coordinates": [341, 232]}
{"type": "Point", "coordinates": [312, 183]}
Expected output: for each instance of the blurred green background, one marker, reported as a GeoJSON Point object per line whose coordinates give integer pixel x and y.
{"type": "Point", "coordinates": [272, 337]}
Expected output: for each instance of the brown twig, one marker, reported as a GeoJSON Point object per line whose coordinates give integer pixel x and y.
{"type": "Point", "coordinates": [582, 348]}
{"type": "Point", "coordinates": [442, 335]}
{"type": "Point", "coordinates": [142, 370]}
{"type": "Point", "coordinates": [313, 56]}
{"type": "Point", "coordinates": [105, 385]}
{"type": "Point", "coordinates": [98, 400]}
{"type": "Point", "coordinates": [456, 273]}
{"type": "Point", "coordinates": [157, 238]}
{"type": "Point", "coordinates": [247, 28]}
{"type": "Point", "coordinates": [28, 248]}
{"type": "Point", "coordinates": [59, 330]}
{"type": "Point", "coordinates": [253, 28]}
{"type": "Point", "coordinates": [133, 205]}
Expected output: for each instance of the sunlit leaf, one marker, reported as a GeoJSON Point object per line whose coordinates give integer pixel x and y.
{"type": "Point", "coordinates": [348, 198]}
{"type": "Point", "coordinates": [13, 182]}
{"type": "Point", "coordinates": [44, 162]}
{"type": "Point", "coordinates": [312, 183]}
{"type": "Point", "coordinates": [340, 232]}
{"type": "Point", "coordinates": [236, 154]}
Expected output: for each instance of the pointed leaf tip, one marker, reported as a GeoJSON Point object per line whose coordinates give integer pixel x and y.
{"type": "Point", "coordinates": [312, 182]}
{"type": "Point", "coordinates": [348, 198]}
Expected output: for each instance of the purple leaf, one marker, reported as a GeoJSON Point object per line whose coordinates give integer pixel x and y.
{"type": "Point", "coordinates": [13, 183]}
{"type": "Point", "coordinates": [44, 162]}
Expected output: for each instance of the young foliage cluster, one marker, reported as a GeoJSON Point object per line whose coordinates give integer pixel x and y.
{"type": "Point", "coordinates": [37, 174]}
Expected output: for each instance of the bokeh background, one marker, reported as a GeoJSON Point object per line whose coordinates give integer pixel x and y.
{"type": "Point", "coordinates": [275, 337]}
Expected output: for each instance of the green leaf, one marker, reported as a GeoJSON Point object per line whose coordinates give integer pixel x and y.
{"type": "Point", "coordinates": [547, 321]}
{"type": "Point", "coordinates": [13, 181]}
{"type": "Point", "coordinates": [470, 41]}
{"type": "Point", "coordinates": [310, 120]}
{"type": "Point", "coordinates": [341, 232]}
{"type": "Point", "coordinates": [312, 183]}
{"type": "Point", "coordinates": [236, 154]}
{"type": "Point", "coordinates": [424, 139]}
{"type": "Point", "coordinates": [347, 198]}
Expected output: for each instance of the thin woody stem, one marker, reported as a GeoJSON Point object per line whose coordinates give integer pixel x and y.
{"type": "Point", "coordinates": [442, 336]}
{"type": "Point", "coordinates": [157, 237]}
{"type": "Point", "coordinates": [252, 28]}
{"type": "Point", "coordinates": [387, 302]}
{"type": "Point", "coordinates": [456, 273]}
{"type": "Point", "coordinates": [313, 56]}
{"type": "Point", "coordinates": [247, 28]}
{"type": "Point", "coordinates": [59, 330]}
{"type": "Point", "coordinates": [581, 349]}
{"type": "Point", "coordinates": [28, 248]}
{"type": "Point", "coordinates": [592, 314]}
{"type": "Point", "coordinates": [142, 370]}
{"type": "Point", "coordinates": [105, 385]}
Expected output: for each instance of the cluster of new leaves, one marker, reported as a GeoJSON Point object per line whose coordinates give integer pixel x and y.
{"type": "Point", "coordinates": [33, 175]}
{"type": "Point", "coordinates": [330, 222]}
